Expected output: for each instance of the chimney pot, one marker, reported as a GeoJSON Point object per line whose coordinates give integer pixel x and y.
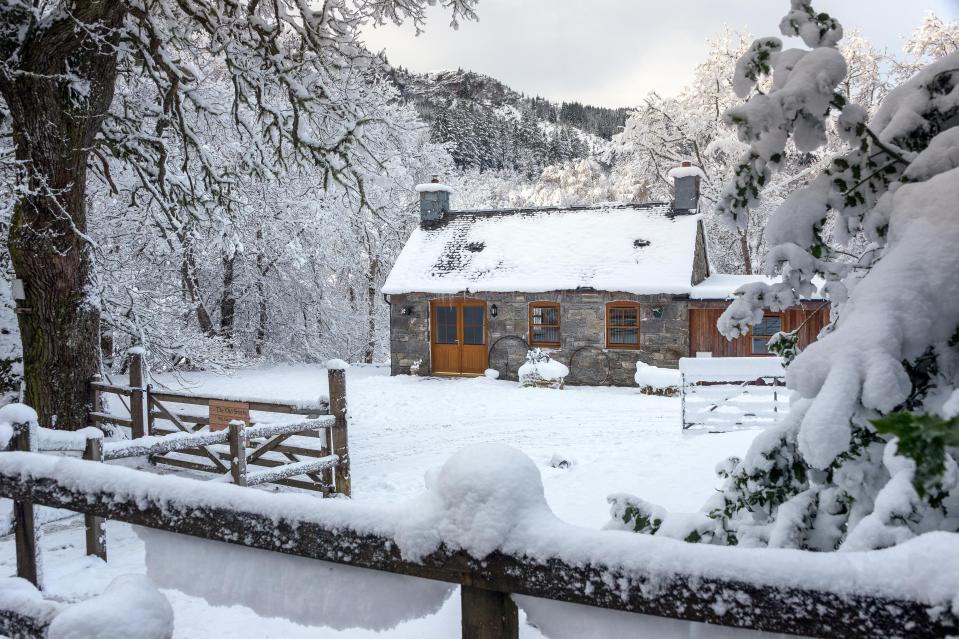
{"type": "Point", "coordinates": [434, 200]}
{"type": "Point", "coordinates": [686, 178]}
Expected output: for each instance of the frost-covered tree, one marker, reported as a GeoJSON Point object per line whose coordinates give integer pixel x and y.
{"type": "Point", "coordinates": [867, 455]}
{"type": "Point", "coordinates": [62, 63]}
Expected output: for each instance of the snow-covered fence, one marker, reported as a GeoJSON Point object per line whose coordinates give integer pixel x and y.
{"type": "Point", "coordinates": [158, 414]}
{"type": "Point", "coordinates": [727, 392]}
{"type": "Point", "coordinates": [237, 437]}
{"type": "Point", "coordinates": [785, 591]}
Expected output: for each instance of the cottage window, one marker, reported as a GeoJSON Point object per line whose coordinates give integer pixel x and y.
{"type": "Point", "coordinates": [763, 332]}
{"type": "Point", "coordinates": [622, 325]}
{"type": "Point", "coordinates": [544, 324]}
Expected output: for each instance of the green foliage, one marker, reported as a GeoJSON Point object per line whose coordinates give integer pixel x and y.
{"type": "Point", "coordinates": [786, 345]}
{"type": "Point", "coordinates": [641, 521]}
{"type": "Point", "coordinates": [924, 439]}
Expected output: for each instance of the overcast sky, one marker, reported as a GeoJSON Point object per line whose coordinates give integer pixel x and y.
{"type": "Point", "coordinates": [612, 52]}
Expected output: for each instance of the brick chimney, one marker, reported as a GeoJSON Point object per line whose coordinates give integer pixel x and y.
{"type": "Point", "coordinates": [434, 200]}
{"type": "Point", "coordinates": [686, 178]}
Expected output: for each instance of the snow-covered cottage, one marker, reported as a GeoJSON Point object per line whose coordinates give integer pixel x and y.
{"type": "Point", "coordinates": [600, 287]}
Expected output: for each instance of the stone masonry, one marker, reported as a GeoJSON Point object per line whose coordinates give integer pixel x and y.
{"type": "Point", "coordinates": [664, 333]}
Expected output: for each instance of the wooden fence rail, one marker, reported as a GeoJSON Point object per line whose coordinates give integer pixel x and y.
{"type": "Point", "coordinates": [211, 512]}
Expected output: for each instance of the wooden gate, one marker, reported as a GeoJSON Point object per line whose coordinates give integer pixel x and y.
{"type": "Point", "coordinates": [157, 414]}
{"type": "Point", "coordinates": [723, 393]}
{"type": "Point", "coordinates": [458, 336]}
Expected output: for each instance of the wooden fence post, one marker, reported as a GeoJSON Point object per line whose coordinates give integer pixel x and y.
{"type": "Point", "coordinates": [95, 394]}
{"type": "Point", "coordinates": [238, 452]}
{"type": "Point", "coordinates": [137, 394]}
{"type": "Point", "coordinates": [488, 614]}
{"type": "Point", "coordinates": [26, 531]}
{"type": "Point", "coordinates": [96, 535]}
{"type": "Point", "coordinates": [339, 438]}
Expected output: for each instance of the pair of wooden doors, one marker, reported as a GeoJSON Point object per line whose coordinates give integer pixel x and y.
{"type": "Point", "coordinates": [458, 329]}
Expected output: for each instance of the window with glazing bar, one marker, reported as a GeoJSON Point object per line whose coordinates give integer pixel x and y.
{"type": "Point", "coordinates": [544, 324]}
{"type": "Point", "coordinates": [763, 332]}
{"type": "Point", "coordinates": [622, 325]}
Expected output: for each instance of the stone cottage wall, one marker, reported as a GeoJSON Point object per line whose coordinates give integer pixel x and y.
{"type": "Point", "coordinates": [663, 339]}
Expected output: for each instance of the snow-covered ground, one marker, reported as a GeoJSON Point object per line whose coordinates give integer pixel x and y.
{"type": "Point", "coordinates": [618, 440]}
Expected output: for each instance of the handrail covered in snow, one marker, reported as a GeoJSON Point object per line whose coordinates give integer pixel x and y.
{"type": "Point", "coordinates": [747, 588]}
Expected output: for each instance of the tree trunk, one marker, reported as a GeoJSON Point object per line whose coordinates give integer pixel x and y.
{"type": "Point", "coordinates": [262, 315]}
{"type": "Point", "coordinates": [54, 128]}
{"type": "Point", "coordinates": [747, 256]}
{"type": "Point", "coordinates": [192, 285]}
{"type": "Point", "coordinates": [228, 300]}
{"type": "Point", "coordinates": [371, 276]}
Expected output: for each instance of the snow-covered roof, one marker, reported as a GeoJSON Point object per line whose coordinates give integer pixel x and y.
{"type": "Point", "coordinates": [723, 286]}
{"type": "Point", "coordinates": [634, 248]}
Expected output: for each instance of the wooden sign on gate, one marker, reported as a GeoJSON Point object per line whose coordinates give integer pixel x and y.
{"type": "Point", "coordinates": [223, 412]}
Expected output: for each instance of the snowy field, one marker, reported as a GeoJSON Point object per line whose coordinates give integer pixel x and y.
{"type": "Point", "coordinates": [618, 439]}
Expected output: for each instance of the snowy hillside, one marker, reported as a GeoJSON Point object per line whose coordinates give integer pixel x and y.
{"type": "Point", "coordinates": [491, 126]}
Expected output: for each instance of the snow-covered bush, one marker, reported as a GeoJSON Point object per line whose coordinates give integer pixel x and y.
{"type": "Point", "coordinates": [653, 380]}
{"type": "Point", "coordinates": [542, 370]}
{"type": "Point", "coordinates": [866, 456]}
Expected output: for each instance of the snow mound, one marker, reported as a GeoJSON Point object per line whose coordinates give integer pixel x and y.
{"type": "Point", "coordinates": [336, 365]}
{"type": "Point", "coordinates": [655, 377]}
{"type": "Point", "coordinates": [130, 607]}
{"type": "Point", "coordinates": [491, 373]}
{"type": "Point", "coordinates": [476, 502]}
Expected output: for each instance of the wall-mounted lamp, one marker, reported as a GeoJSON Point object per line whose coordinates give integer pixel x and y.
{"type": "Point", "coordinates": [657, 311]}
{"type": "Point", "coordinates": [406, 310]}
{"type": "Point", "coordinates": [493, 311]}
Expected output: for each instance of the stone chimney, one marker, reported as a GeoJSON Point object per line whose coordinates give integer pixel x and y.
{"type": "Point", "coordinates": [434, 200]}
{"type": "Point", "coordinates": [686, 179]}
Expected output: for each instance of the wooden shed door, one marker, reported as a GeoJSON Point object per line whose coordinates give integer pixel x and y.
{"type": "Point", "coordinates": [459, 337]}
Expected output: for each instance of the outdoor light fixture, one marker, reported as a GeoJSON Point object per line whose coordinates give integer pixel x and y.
{"type": "Point", "coordinates": [407, 310]}
{"type": "Point", "coordinates": [493, 311]}
{"type": "Point", "coordinates": [657, 311]}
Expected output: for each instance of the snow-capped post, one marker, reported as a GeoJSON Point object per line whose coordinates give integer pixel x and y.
{"type": "Point", "coordinates": [238, 452]}
{"type": "Point", "coordinates": [95, 534]}
{"type": "Point", "coordinates": [137, 393]}
{"type": "Point", "coordinates": [488, 614]}
{"type": "Point", "coordinates": [25, 528]}
{"type": "Point", "coordinates": [339, 439]}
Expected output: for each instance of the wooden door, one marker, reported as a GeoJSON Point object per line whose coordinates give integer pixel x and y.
{"type": "Point", "coordinates": [473, 354]}
{"type": "Point", "coordinates": [446, 330]}
{"type": "Point", "coordinates": [459, 337]}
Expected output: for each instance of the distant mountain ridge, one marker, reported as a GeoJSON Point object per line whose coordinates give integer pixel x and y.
{"type": "Point", "coordinates": [490, 126]}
